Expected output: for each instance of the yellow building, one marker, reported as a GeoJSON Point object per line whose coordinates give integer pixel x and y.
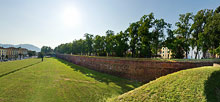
{"type": "Point", "coordinates": [165, 53]}
{"type": "Point", "coordinates": [12, 53]}
{"type": "Point", "coordinates": [3, 52]}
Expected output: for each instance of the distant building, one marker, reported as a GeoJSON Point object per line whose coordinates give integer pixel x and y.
{"type": "Point", "coordinates": [192, 53]}
{"type": "Point", "coordinates": [3, 52]}
{"type": "Point", "coordinates": [165, 53]}
{"type": "Point", "coordinates": [12, 53]}
{"type": "Point", "coordinates": [22, 52]}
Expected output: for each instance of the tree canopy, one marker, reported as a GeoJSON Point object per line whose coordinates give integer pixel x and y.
{"type": "Point", "coordinates": [145, 37]}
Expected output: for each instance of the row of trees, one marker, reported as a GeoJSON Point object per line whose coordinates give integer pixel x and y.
{"type": "Point", "coordinates": [47, 51]}
{"type": "Point", "coordinates": [145, 37]}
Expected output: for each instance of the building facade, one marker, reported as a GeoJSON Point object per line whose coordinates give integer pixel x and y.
{"type": "Point", "coordinates": [192, 54]}
{"type": "Point", "coordinates": [22, 52]}
{"type": "Point", "coordinates": [3, 53]}
{"type": "Point", "coordinates": [165, 53]}
{"type": "Point", "coordinates": [12, 53]}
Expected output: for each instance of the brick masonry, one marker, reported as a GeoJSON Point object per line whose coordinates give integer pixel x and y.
{"type": "Point", "coordinates": [143, 71]}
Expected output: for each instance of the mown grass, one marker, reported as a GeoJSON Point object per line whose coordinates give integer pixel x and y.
{"type": "Point", "coordinates": [192, 85]}
{"type": "Point", "coordinates": [55, 80]}
{"type": "Point", "coordinates": [6, 67]}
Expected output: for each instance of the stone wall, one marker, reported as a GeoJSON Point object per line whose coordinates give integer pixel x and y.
{"type": "Point", "coordinates": [144, 71]}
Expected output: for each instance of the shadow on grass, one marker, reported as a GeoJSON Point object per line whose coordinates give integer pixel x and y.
{"type": "Point", "coordinates": [212, 87]}
{"type": "Point", "coordinates": [18, 70]}
{"type": "Point", "coordinates": [126, 85]}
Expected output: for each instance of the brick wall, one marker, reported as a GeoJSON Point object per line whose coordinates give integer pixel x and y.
{"type": "Point", "coordinates": [143, 71]}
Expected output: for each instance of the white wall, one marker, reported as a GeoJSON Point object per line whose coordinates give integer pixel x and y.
{"type": "Point", "coordinates": [192, 54]}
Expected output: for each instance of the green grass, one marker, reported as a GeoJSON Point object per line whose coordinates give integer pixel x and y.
{"type": "Point", "coordinates": [55, 80]}
{"type": "Point", "coordinates": [7, 67]}
{"type": "Point", "coordinates": [154, 59]}
{"type": "Point", "coordinates": [192, 85]}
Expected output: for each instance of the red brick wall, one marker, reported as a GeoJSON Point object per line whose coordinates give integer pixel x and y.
{"type": "Point", "coordinates": [143, 71]}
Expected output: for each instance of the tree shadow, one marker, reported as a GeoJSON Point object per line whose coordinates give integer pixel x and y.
{"type": "Point", "coordinates": [125, 84]}
{"type": "Point", "coordinates": [212, 87]}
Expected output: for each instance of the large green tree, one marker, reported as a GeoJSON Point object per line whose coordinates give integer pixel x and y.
{"type": "Point", "coordinates": [174, 43]}
{"type": "Point", "coordinates": [197, 29]}
{"type": "Point", "coordinates": [109, 42]}
{"type": "Point", "coordinates": [212, 29]}
{"type": "Point", "coordinates": [146, 22]}
{"type": "Point", "coordinates": [158, 35]}
{"type": "Point", "coordinates": [99, 45]}
{"type": "Point", "coordinates": [183, 30]}
{"type": "Point", "coordinates": [134, 39]}
{"type": "Point", "coordinates": [46, 50]}
{"type": "Point", "coordinates": [89, 43]}
{"type": "Point", "coordinates": [121, 41]}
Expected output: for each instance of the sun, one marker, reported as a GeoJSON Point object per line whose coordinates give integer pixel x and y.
{"type": "Point", "coordinates": [71, 17]}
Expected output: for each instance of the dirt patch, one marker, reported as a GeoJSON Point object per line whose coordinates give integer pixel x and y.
{"type": "Point", "coordinates": [1, 100]}
{"type": "Point", "coordinates": [66, 79]}
{"type": "Point", "coordinates": [216, 65]}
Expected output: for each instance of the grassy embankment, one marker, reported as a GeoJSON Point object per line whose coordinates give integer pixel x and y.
{"type": "Point", "coordinates": [192, 85]}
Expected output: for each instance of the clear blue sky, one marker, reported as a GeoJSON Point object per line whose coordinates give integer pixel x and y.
{"type": "Point", "coordinates": [52, 22]}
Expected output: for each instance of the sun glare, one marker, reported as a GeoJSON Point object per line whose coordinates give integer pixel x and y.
{"type": "Point", "coordinates": [71, 17]}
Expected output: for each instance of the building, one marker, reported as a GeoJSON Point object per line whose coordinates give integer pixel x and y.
{"type": "Point", "coordinates": [3, 53]}
{"type": "Point", "coordinates": [22, 52]}
{"type": "Point", "coordinates": [12, 53]}
{"type": "Point", "coordinates": [165, 53]}
{"type": "Point", "coordinates": [192, 53]}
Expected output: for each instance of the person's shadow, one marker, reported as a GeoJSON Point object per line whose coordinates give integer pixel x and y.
{"type": "Point", "coordinates": [212, 87]}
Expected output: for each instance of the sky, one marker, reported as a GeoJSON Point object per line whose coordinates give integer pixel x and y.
{"type": "Point", "coordinates": [53, 22]}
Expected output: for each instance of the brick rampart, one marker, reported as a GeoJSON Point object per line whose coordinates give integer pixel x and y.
{"type": "Point", "coordinates": [140, 70]}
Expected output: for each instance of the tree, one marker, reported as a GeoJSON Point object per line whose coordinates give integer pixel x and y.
{"type": "Point", "coordinates": [99, 45]}
{"type": "Point", "coordinates": [218, 51]}
{"type": "Point", "coordinates": [82, 46]}
{"type": "Point", "coordinates": [158, 34]}
{"type": "Point", "coordinates": [121, 46]}
{"type": "Point", "coordinates": [197, 29]}
{"type": "Point", "coordinates": [134, 39]}
{"type": "Point", "coordinates": [212, 29]}
{"type": "Point", "coordinates": [46, 50]}
{"type": "Point", "coordinates": [41, 55]}
{"type": "Point", "coordinates": [183, 30]}
{"type": "Point", "coordinates": [174, 43]}
{"type": "Point", "coordinates": [31, 53]}
{"type": "Point", "coordinates": [89, 43]}
{"type": "Point", "coordinates": [146, 22]}
{"type": "Point", "coordinates": [109, 42]}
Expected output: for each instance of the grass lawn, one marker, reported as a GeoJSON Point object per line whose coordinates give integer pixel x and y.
{"type": "Point", "coordinates": [11, 66]}
{"type": "Point", "coordinates": [192, 85]}
{"type": "Point", "coordinates": [55, 80]}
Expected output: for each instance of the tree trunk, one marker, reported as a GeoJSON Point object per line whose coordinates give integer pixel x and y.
{"type": "Point", "coordinates": [204, 54]}
{"type": "Point", "coordinates": [197, 51]}
{"type": "Point", "coordinates": [186, 54]}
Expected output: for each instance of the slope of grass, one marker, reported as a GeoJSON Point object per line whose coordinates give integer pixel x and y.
{"type": "Point", "coordinates": [192, 85]}
{"type": "Point", "coordinates": [55, 80]}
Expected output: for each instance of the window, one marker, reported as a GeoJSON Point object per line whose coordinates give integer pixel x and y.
{"type": "Point", "coordinates": [163, 51]}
